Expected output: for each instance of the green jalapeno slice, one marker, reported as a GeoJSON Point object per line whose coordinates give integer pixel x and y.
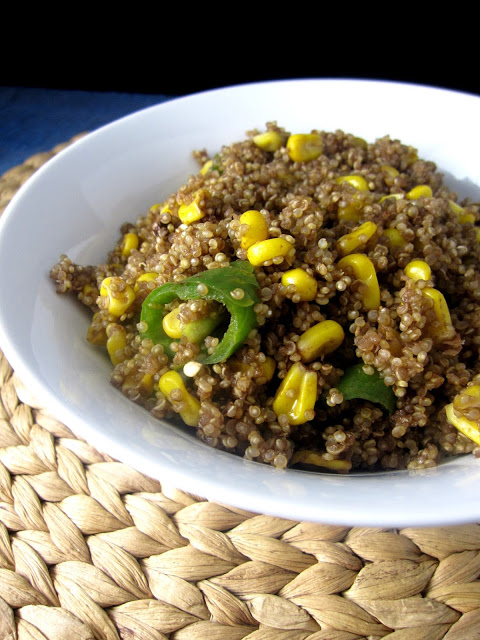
{"type": "Point", "coordinates": [235, 287]}
{"type": "Point", "coordinates": [356, 384]}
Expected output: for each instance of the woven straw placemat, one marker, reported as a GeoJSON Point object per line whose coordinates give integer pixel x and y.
{"type": "Point", "coordinates": [91, 548]}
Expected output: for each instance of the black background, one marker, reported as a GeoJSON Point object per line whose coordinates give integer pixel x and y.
{"type": "Point", "coordinates": [176, 50]}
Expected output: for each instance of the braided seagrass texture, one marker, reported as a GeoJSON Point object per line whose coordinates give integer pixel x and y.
{"type": "Point", "coordinates": [92, 549]}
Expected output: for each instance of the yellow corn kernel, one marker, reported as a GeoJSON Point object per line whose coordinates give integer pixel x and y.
{"type": "Point", "coordinates": [172, 325]}
{"type": "Point", "coordinates": [418, 270]}
{"type": "Point", "coordinates": [206, 167]}
{"type": "Point", "coordinates": [463, 216]}
{"type": "Point", "coordinates": [363, 270]}
{"type": "Point", "coordinates": [395, 345]}
{"type": "Point", "coordinates": [268, 250]}
{"type": "Point", "coordinates": [420, 191]}
{"type": "Point", "coordinates": [187, 405]}
{"type": "Point", "coordinates": [319, 460]}
{"type": "Point", "coordinates": [89, 290]}
{"type": "Point", "coordinates": [120, 295]}
{"type": "Point", "coordinates": [473, 390]}
{"type": "Point", "coordinates": [360, 142]}
{"type": "Point", "coordinates": [146, 385]}
{"type": "Point", "coordinates": [190, 213]}
{"type": "Point", "coordinates": [412, 156]}
{"type": "Point", "coordinates": [395, 238]}
{"type": "Point", "coordinates": [143, 386]}
{"type": "Point", "coordinates": [441, 309]}
{"type": "Point", "coordinates": [130, 242]}
{"type": "Point", "coordinates": [257, 228]}
{"type": "Point", "coordinates": [390, 173]}
{"type": "Point", "coordinates": [354, 240]}
{"type": "Point", "coordinates": [304, 147]}
{"type": "Point", "coordinates": [162, 206]}
{"type": "Point", "coordinates": [322, 338]}
{"type": "Point", "coordinates": [358, 182]}
{"type": "Point", "coordinates": [96, 333]}
{"type": "Point", "coordinates": [267, 368]}
{"type": "Point", "coordinates": [166, 209]}
{"type": "Point", "coordinates": [466, 426]}
{"type": "Point", "coordinates": [89, 294]}
{"type": "Point", "coordinates": [352, 212]}
{"type": "Point", "coordinates": [305, 284]}
{"type": "Point", "coordinates": [297, 394]}
{"type": "Point", "coordinates": [466, 217]}
{"type": "Point", "coordinates": [149, 276]}
{"type": "Point", "coordinates": [116, 342]}
{"type": "Point", "coordinates": [269, 140]}
{"type": "Point", "coordinates": [392, 196]}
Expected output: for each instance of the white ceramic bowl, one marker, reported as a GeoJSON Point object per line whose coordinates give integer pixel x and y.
{"type": "Point", "coordinates": [75, 204]}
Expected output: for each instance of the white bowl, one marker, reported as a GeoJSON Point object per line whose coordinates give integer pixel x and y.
{"type": "Point", "coordinates": [75, 204]}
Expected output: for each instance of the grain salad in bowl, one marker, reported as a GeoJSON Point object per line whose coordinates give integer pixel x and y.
{"type": "Point", "coordinates": [306, 300]}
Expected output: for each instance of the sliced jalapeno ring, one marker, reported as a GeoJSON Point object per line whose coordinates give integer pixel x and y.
{"type": "Point", "coordinates": [234, 286]}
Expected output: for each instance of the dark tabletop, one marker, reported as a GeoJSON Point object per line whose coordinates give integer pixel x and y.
{"type": "Point", "coordinates": [33, 120]}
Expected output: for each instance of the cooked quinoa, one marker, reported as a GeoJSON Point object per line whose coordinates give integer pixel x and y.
{"type": "Point", "coordinates": [366, 268]}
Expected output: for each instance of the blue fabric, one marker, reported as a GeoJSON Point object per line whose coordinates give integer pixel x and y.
{"type": "Point", "coordinates": [35, 120]}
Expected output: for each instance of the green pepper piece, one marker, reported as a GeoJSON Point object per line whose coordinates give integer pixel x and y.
{"type": "Point", "coordinates": [355, 383]}
{"type": "Point", "coordinates": [219, 285]}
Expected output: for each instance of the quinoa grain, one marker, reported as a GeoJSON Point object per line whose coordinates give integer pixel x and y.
{"type": "Point", "coordinates": [426, 365]}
